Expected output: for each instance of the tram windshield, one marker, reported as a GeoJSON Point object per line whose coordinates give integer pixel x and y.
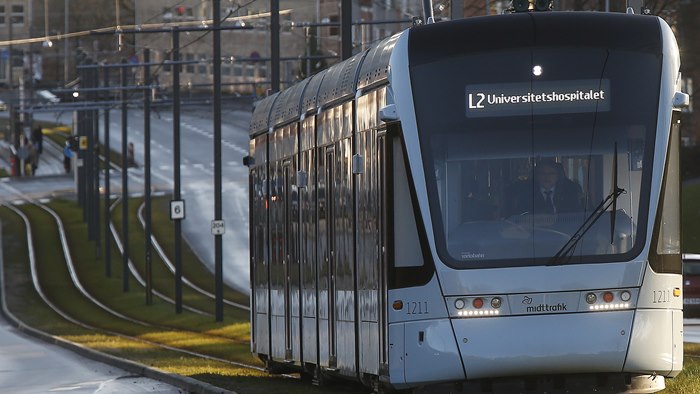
{"type": "Point", "coordinates": [538, 156]}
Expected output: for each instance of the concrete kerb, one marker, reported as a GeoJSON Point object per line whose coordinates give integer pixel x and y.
{"type": "Point", "coordinates": [189, 384]}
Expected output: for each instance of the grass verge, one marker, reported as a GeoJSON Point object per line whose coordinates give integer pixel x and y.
{"type": "Point", "coordinates": [227, 340]}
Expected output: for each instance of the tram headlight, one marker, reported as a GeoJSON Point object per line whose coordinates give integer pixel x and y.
{"type": "Point", "coordinates": [591, 298]}
{"type": "Point", "coordinates": [459, 303]}
{"type": "Point", "coordinates": [625, 296]}
{"type": "Point", "coordinates": [496, 302]}
{"type": "Point", "coordinates": [610, 300]}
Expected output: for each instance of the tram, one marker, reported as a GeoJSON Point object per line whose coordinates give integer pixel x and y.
{"type": "Point", "coordinates": [398, 231]}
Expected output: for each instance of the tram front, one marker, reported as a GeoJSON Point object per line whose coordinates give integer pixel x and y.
{"type": "Point", "coordinates": [543, 150]}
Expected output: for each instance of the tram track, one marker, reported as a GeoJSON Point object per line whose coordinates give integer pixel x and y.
{"type": "Point", "coordinates": [135, 273]}
{"type": "Point", "coordinates": [76, 283]}
{"type": "Point", "coordinates": [171, 267]}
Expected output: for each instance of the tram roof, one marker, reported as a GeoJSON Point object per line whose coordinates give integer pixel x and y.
{"type": "Point", "coordinates": [613, 30]}
{"type": "Point", "coordinates": [260, 121]}
{"type": "Point", "coordinates": [287, 107]}
{"type": "Point", "coordinates": [371, 67]}
{"type": "Point", "coordinates": [332, 85]}
{"type": "Point", "coordinates": [375, 66]}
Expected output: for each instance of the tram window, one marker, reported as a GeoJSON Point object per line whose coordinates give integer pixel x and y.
{"type": "Point", "coordinates": [491, 203]}
{"type": "Point", "coordinates": [482, 133]}
{"type": "Point", "coordinates": [407, 249]}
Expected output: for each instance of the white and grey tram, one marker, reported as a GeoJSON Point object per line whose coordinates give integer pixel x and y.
{"type": "Point", "coordinates": [396, 232]}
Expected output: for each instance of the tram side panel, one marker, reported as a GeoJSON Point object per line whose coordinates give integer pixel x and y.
{"type": "Point", "coordinates": [369, 235]}
{"type": "Point", "coordinates": [345, 244]}
{"type": "Point", "coordinates": [336, 261]}
{"type": "Point", "coordinates": [307, 233]}
{"type": "Point", "coordinates": [276, 212]}
{"type": "Point", "coordinates": [260, 342]}
{"type": "Point", "coordinates": [282, 166]}
{"type": "Point", "coordinates": [323, 257]}
{"type": "Point", "coordinates": [293, 323]}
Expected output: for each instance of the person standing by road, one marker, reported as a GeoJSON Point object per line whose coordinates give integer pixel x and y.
{"type": "Point", "coordinates": [67, 156]}
{"type": "Point", "coordinates": [38, 140]}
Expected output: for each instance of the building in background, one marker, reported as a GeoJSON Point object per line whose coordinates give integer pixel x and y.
{"type": "Point", "coordinates": [50, 62]}
{"type": "Point", "coordinates": [307, 42]}
{"type": "Point", "coordinates": [310, 38]}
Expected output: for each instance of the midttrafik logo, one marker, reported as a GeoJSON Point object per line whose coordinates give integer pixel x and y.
{"type": "Point", "coordinates": [559, 307]}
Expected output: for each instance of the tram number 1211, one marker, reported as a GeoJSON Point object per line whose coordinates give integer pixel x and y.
{"type": "Point", "coordinates": [417, 308]}
{"type": "Point", "coordinates": [662, 296]}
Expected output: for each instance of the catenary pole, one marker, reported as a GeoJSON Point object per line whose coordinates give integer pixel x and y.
{"type": "Point", "coordinates": [147, 171]}
{"type": "Point", "coordinates": [346, 29]}
{"type": "Point", "coordinates": [176, 168]}
{"type": "Point", "coordinates": [125, 183]}
{"type": "Point", "coordinates": [108, 192]}
{"type": "Point", "coordinates": [218, 242]}
{"type": "Point", "coordinates": [275, 45]}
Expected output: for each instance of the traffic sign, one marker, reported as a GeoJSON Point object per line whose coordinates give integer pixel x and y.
{"type": "Point", "coordinates": [218, 227]}
{"type": "Point", "coordinates": [83, 142]}
{"type": "Point", "coordinates": [177, 209]}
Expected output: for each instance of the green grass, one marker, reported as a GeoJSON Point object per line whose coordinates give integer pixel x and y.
{"type": "Point", "coordinates": [688, 381]}
{"type": "Point", "coordinates": [227, 340]}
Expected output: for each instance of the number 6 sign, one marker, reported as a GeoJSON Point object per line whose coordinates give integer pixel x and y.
{"type": "Point", "coordinates": [177, 209]}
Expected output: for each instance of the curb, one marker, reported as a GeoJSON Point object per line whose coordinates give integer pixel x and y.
{"type": "Point", "coordinates": [188, 384]}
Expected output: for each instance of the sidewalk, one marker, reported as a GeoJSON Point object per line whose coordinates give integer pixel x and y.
{"type": "Point", "coordinates": [50, 161]}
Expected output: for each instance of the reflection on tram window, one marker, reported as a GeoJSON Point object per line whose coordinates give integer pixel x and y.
{"type": "Point", "coordinates": [494, 200]}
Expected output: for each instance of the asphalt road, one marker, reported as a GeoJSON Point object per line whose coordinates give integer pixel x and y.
{"type": "Point", "coordinates": [197, 179]}
{"type": "Point", "coordinates": [691, 330]}
{"type": "Point", "coordinates": [197, 176]}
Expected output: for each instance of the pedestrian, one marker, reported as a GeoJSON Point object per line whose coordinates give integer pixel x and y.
{"type": "Point", "coordinates": [33, 163]}
{"type": "Point", "coordinates": [38, 139]}
{"type": "Point", "coordinates": [67, 156]}
{"type": "Point", "coordinates": [131, 160]}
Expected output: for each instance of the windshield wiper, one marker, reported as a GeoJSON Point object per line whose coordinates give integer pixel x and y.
{"type": "Point", "coordinates": [564, 254]}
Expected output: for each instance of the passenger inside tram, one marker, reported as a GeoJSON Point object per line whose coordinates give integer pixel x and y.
{"type": "Point", "coordinates": [552, 193]}
{"type": "Point", "coordinates": [518, 206]}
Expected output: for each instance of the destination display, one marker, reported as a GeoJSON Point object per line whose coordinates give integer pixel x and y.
{"type": "Point", "coordinates": [537, 98]}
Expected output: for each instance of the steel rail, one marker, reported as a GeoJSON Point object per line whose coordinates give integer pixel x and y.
{"type": "Point", "coordinates": [134, 271]}
{"type": "Point", "coordinates": [69, 260]}
{"type": "Point", "coordinates": [171, 267]}
{"type": "Point", "coordinates": [50, 304]}
{"type": "Point", "coordinates": [32, 266]}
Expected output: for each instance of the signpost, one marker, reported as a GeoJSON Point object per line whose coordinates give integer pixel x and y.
{"type": "Point", "coordinates": [177, 210]}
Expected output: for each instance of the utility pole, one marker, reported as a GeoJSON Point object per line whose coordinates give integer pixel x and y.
{"type": "Point", "coordinates": [274, 46]}
{"type": "Point", "coordinates": [457, 10]}
{"type": "Point", "coordinates": [176, 168]}
{"type": "Point", "coordinates": [218, 244]}
{"type": "Point", "coordinates": [108, 193]}
{"type": "Point", "coordinates": [66, 46]}
{"type": "Point", "coordinates": [147, 169]}
{"type": "Point", "coordinates": [346, 29]}
{"type": "Point", "coordinates": [125, 183]}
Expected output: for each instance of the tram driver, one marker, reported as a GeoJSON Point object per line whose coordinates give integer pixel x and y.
{"type": "Point", "coordinates": [551, 193]}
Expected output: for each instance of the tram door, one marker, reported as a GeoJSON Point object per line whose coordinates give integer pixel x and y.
{"type": "Point", "coordinates": [288, 242]}
{"type": "Point", "coordinates": [326, 259]}
{"type": "Point", "coordinates": [383, 180]}
{"type": "Point", "coordinates": [330, 233]}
